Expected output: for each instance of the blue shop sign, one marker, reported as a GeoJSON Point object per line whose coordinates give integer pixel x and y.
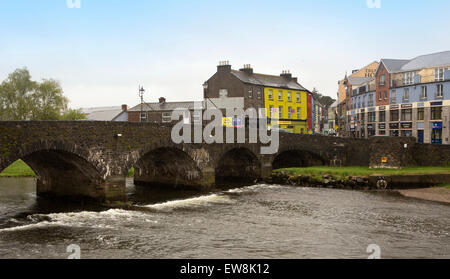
{"type": "Point", "coordinates": [437, 125]}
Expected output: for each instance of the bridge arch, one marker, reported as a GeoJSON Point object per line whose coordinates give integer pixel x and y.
{"type": "Point", "coordinates": [297, 158]}
{"type": "Point", "coordinates": [166, 166]}
{"type": "Point", "coordinates": [62, 168]}
{"type": "Point", "coordinates": [237, 166]}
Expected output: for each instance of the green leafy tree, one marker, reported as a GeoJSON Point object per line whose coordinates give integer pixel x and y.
{"type": "Point", "coordinates": [73, 114]}
{"type": "Point", "coordinates": [15, 92]}
{"type": "Point", "coordinates": [24, 99]}
{"type": "Point", "coordinates": [48, 101]}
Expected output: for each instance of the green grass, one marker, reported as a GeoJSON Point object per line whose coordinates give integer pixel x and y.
{"type": "Point", "coordinates": [446, 186]}
{"type": "Point", "coordinates": [18, 169]}
{"type": "Point", "coordinates": [364, 171]}
{"type": "Point", "coordinates": [131, 173]}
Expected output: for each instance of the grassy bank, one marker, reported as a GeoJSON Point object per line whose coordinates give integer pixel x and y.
{"type": "Point", "coordinates": [18, 169]}
{"type": "Point", "coordinates": [364, 171]}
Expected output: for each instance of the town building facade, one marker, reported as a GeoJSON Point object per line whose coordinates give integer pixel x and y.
{"type": "Point", "coordinates": [284, 99]}
{"type": "Point", "coordinates": [409, 98]}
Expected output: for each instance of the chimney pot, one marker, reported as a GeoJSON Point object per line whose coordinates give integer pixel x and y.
{"type": "Point", "coordinates": [162, 100]}
{"type": "Point", "coordinates": [124, 107]}
{"type": "Point", "coordinates": [247, 69]}
{"type": "Point", "coordinates": [224, 66]}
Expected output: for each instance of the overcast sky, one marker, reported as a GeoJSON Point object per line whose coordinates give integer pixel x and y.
{"type": "Point", "coordinates": [102, 51]}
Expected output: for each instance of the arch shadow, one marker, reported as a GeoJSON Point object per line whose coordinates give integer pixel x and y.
{"type": "Point", "coordinates": [237, 167]}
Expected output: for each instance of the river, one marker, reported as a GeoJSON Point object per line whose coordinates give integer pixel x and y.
{"type": "Point", "coordinates": [260, 221]}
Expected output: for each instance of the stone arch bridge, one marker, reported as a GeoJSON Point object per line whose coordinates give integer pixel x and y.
{"type": "Point", "coordinates": [92, 159]}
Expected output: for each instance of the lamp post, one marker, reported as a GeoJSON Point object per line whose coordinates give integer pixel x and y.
{"type": "Point", "coordinates": [141, 95]}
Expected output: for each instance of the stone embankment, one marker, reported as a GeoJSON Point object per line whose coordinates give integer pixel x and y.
{"type": "Point", "coordinates": [373, 182]}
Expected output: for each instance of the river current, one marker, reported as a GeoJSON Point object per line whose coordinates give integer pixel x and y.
{"type": "Point", "coordinates": [261, 221]}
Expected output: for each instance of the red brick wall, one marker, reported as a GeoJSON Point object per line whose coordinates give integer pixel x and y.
{"type": "Point", "coordinates": [382, 89]}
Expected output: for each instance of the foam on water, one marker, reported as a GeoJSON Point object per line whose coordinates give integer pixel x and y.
{"type": "Point", "coordinates": [192, 202]}
{"type": "Point", "coordinates": [82, 219]}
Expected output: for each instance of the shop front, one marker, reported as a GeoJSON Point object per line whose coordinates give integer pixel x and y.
{"type": "Point", "coordinates": [436, 133]}
{"type": "Point", "coordinates": [406, 129]}
{"type": "Point", "coordinates": [394, 129]}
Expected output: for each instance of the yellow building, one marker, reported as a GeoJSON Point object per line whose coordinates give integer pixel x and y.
{"type": "Point", "coordinates": [288, 108]}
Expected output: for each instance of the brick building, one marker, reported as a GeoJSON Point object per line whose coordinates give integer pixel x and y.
{"type": "Point", "coordinates": [285, 100]}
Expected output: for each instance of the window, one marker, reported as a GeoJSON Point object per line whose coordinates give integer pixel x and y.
{"type": "Point", "coordinates": [289, 97]}
{"type": "Point", "coordinates": [166, 117]}
{"type": "Point", "coordinates": [406, 95]}
{"type": "Point", "coordinates": [394, 115]}
{"type": "Point", "coordinates": [382, 132]}
{"type": "Point", "coordinates": [423, 95]}
{"type": "Point", "coordinates": [380, 96]}
{"type": "Point", "coordinates": [385, 95]}
{"type": "Point", "coordinates": [259, 94]}
{"type": "Point", "coordinates": [223, 93]}
{"type": "Point", "coordinates": [382, 80]}
{"type": "Point", "coordinates": [371, 117]}
{"type": "Point", "coordinates": [408, 78]}
{"type": "Point", "coordinates": [371, 103]}
{"type": "Point", "coordinates": [382, 116]}
{"type": "Point", "coordinates": [270, 111]}
{"type": "Point", "coordinates": [440, 91]}
{"type": "Point", "coordinates": [407, 115]}
{"type": "Point", "coordinates": [143, 116]}
{"type": "Point", "coordinates": [280, 95]}
{"type": "Point", "coordinates": [250, 93]}
{"type": "Point", "coordinates": [393, 133]}
{"type": "Point", "coordinates": [281, 112]}
{"type": "Point", "coordinates": [298, 97]}
{"type": "Point", "coordinates": [407, 133]}
{"type": "Point", "coordinates": [439, 74]}
{"type": "Point", "coordinates": [394, 96]}
{"type": "Point", "coordinates": [290, 112]}
{"type": "Point", "coordinates": [298, 113]}
{"type": "Point", "coordinates": [270, 94]}
{"type": "Point", "coordinates": [436, 113]}
{"type": "Point", "coordinates": [421, 114]}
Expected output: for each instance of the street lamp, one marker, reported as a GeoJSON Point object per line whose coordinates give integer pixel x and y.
{"type": "Point", "coordinates": [141, 95]}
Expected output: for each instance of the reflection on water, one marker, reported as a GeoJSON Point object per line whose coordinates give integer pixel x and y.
{"type": "Point", "coordinates": [259, 221]}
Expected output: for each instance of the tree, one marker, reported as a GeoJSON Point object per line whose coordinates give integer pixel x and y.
{"type": "Point", "coordinates": [15, 91]}
{"type": "Point", "coordinates": [73, 114]}
{"type": "Point", "coordinates": [24, 99]}
{"type": "Point", "coordinates": [325, 101]}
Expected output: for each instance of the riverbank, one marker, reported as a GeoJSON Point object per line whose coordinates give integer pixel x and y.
{"type": "Point", "coordinates": [437, 194]}
{"type": "Point", "coordinates": [362, 178]}
{"type": "Point", "coordinates": [18, 169]}
{"type": "Point", "coordinates": [21, 169]}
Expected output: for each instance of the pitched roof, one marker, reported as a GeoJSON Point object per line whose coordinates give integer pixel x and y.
{"type": "Point", "coordinates": [164, 107]}
{"type": "Point", "coordinates": [427, 61]}
{"type": "Point", "coordinates": [268, 80]}
{"type": "Point", "coordinates": [394, 65]}
{"type": "Point", "coordinates": [359, 80]}
{"type": "Point", "coordinates": [102, 114]}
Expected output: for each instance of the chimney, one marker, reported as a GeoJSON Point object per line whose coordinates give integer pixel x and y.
{"type": "Point", "coordinates": [224, 67]}
{"type": "Point", "coordinates": [247, 69]}
{"type": "Point", "coordinates": [295, 80]}
{"type": "Point", "coordinates": [162, 101]}
{"type": "Point", "coordinates": [124, 107]}
{"type": "Point", "coordinates": [286, 75]}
